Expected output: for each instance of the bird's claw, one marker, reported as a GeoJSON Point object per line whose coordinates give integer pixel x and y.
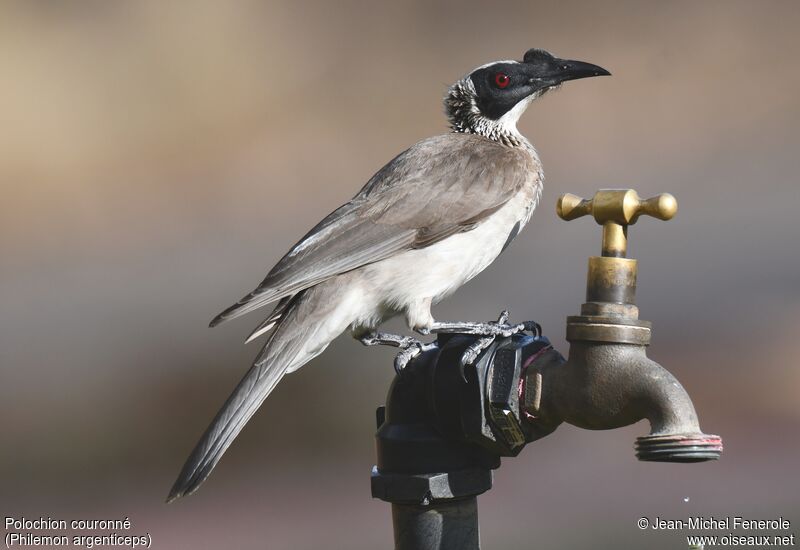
{"type": "Point", "coordinates": [409, 352]}
{"type": "Point", "coordinates": [472, 352]}
{"type": "Point", "coordinates": [501, 327]}
{"type": "Point", "coordinates": [409, 347]}
{"type": "Point", "coordinates": [492, 331]}
{"type": "Point", "coordinates": [533, 327]}
{"type": "Point", "coordinates": [503, 318]}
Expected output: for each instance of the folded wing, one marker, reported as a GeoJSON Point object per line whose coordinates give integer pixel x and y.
{"type": "Point", "coordinates": [438, 187]}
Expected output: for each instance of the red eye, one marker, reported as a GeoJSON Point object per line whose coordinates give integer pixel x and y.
{"type": "Point", "coordinates": [502, 80]}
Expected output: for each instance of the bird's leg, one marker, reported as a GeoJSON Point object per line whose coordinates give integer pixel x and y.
{"type": "Point", "coordinates": [375, 338]}
{"type": "Point", "coordinates": [501, 327]}
{"type": "Point", "coordinates": [473, 351]}
{"type": "Point", "coordinates": [409, 347]}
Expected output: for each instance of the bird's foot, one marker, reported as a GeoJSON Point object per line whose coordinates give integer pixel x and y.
{"type": "Point", "coordinates": [493, 329]}
{"type": "Point", "coordinates": [409, 347]}
{"type": "Point", "coordinates": [488, 332]}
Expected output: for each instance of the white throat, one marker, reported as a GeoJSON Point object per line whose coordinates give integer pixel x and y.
{"type": "Point", "coordinates": [508, 122]}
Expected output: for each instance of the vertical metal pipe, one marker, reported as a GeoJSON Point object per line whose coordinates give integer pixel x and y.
{"type": "Point", "coordinates": [615, 240]}
{"type": "Point", "coordinates": [441, 525]}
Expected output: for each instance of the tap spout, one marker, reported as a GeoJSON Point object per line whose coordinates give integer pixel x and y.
{"type": "Point", "coordinates": [609, 385]}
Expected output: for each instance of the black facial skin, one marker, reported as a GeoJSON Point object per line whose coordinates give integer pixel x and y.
{"type": "Point", "coordinates": [538, 71]}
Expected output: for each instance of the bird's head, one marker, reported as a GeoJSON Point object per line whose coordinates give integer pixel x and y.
{"type": "Point", "coordinates": [490, 99]}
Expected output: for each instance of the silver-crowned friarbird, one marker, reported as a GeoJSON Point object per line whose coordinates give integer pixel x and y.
{"type": "Point", "coordinates": [426, 223]}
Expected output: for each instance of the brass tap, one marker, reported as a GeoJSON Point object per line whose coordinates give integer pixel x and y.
{"type": "Point", "coordinates": [610, 313]}
{"type": "Point", "coordinates": [608, 381]}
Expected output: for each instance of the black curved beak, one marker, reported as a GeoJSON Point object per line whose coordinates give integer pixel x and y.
{"type": "Point", "coordinates": [567, 69]}
{"type": "Point", "coordinates": [545, 71]}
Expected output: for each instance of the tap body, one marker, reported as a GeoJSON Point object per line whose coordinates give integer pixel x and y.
{"type": "Point", "coordinates": [603, 386]}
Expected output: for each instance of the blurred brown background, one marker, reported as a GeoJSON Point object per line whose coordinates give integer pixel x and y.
{"type": "Point", "coordinates": [156, 158]}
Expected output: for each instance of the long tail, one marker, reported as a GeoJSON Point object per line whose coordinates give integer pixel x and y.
{"type": "Point", "coordinates": [303, 332]}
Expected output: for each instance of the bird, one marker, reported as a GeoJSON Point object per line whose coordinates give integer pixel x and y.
{"type": "Point", "coordinates": [426, 223]}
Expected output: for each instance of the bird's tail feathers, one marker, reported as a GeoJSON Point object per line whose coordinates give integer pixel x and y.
{"type": "Point", "coordinates": [291, 345]}
{"type": "Point", "coordinates": [274, 318]}
{"type": "Point", "coordinates": [247, 304]}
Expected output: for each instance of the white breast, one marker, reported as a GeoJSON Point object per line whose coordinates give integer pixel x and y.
{"type": "Point", "coordinates": [402, 281]}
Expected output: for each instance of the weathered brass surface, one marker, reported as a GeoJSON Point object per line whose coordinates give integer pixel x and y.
{"type": "Point", "coordinates": [615, 209]}
{"type": "Point", "coordinates": [601, 330]}
{"type": "Point", "coordinates": [622, 206]}
{"type": "Point", "coordinates": [611, 280]}
{"type": "Point", "coordinates": [615, 240]}
{"type": "Point", "coordinates": [607, 309]}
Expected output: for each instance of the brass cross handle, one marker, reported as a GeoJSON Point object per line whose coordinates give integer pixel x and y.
{"type": "Point", "coordinates": [615, 210]}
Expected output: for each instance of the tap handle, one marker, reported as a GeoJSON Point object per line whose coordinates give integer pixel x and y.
{"type": "Point", "coordinates": [571, 207]}
{"type": "Point", "coordinates": [620, 206]}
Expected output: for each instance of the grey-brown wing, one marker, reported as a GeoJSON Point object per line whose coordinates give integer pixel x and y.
{"type": "Point", "coordinates": [342, 242]}
{"type": "Point", "coordinates": [438, 187]}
